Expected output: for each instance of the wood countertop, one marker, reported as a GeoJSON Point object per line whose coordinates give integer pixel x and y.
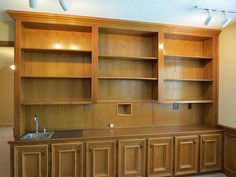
{"type": "Point", "coordinates": [121, 133]}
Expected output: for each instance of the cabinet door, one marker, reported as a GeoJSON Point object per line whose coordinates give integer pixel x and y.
{"type": "Point", "coordinates": [31, 161]}
{"type": "Point", "coordinates": [101, 159]}
{"type": "Point", "coordinates": [210, 152]}
{"type": "Point", "coordinates": [67, 160]}
{"type": "Point", "coordinates": [186, 154]}
{"type": "Point", "coordinates": [160, 156]}
{"type": "Point", "coordinates": [131, 158]}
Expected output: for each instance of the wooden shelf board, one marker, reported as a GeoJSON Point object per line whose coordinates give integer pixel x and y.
{"type": "Point", "coordinates": [127, 101]}
{"type": "Point", "coordinates": [56, 102]}
{"type": "Point", "coordinates": [188, 101]}
{"type": "Point", "coordinates": [127, 57]}
{"type": "Point", "coordinates": [56, 50]}
{"type": "Point", "coordinates": [189, 80]}
{"type": "Point", "coordinates": [58, 77]}
{"type": "Point", "coordinates": [129, 78]}
{"type": "Point", "coordinates": [167, 56]}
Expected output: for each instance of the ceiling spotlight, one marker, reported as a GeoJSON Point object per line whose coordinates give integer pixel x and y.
{"type": "Point", "coordinates": [64, 5]}
{"type": "Point", "coordinates": [226, 21]}
{"type": "Point", "coordinates": [33, 4]}
{"type": "Point", "coordinates": [209, 18]}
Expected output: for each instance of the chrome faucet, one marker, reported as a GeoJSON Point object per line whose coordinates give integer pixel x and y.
{"type": "Point", "coordinates": [36, 122]}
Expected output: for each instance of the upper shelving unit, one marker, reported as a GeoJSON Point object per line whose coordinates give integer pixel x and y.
{"type": "Point", "coordinates": [56, 64]}
{"type": "Point", "coordinates": [128, 67]}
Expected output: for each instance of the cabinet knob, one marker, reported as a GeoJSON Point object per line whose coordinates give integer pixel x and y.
{"type": "Point", "coordinates": [194, 141]}
{"type": "Point", "coordinates": [78, 148]}
{"type": "Point", "coordinates": [141, 145]}
{"type": "Point", "coordinates": [90, 148]}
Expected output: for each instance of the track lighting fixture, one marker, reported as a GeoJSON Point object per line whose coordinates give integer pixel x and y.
{"type": "Point", "coordinates": [33, 4]}
{"type": "Point", "coordinates": [64, 5]}
{"type": "Point", "coordinates": [226, 21]}
{"type": "Point", "coordinates": [209, 18]}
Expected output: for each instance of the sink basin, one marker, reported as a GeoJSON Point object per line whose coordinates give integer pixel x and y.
{"type": "Point", "coordinates": [37, 136]}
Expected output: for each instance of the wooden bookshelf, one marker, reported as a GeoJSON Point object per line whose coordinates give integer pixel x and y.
{"type": "Point", "coordinates": [128, 58]}
{"type": "Point", "coordinates": [187, 101]}
{"type": "Point", "coordinates": [187, 57]}
{"type": "Point", "coordinates": [57, 102]}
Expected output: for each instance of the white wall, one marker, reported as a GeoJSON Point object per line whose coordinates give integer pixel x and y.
{"type": "Point", "coordinates": [227, 76]}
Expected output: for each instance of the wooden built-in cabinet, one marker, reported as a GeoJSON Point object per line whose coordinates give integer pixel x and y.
{"type": "Point", "coordinates": [31, 161]}
{"type": "Point", "coordinates": [186, 154]}
{"type": "Point", "coordinates": [160, 157]}
{"type": "Point", "coordinates": [67, 160]}
{"type": "Point", "coordinates": [210, 152]}
{"type": "Point", "coordinates": [101, 159]}
{"type": "Point", "coordinates": [132, 158]}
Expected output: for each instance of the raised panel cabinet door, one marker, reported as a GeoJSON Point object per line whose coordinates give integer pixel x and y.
{"type": "Point", "coordinates": [132, 158]}
{"type": "Point", "coordinates": [31, 161]}
{"type": "Point", "coordinates": [210, 152]}
{"type": "Point", "coordinates": [160, 156]}
{"type": "Point", "coordinates": [67, 160]}
{"type": "Point", "coordinates": [101, 159]}
{"type": "Point", "coordinates": [186, 154]}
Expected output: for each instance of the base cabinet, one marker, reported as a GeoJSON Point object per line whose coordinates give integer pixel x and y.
{"type": "Point", "coordinates": [67, 160]}
{"type": "Point", "coordinates": [210, 152]}
{"type": "Point", "coordinates": [132, 158]}
{"type": "Point", "coordinates": [160, 157]}
{"type": "Point", "coordinates": [31, 161]}
{"type": "Point", "coordinates": [186, 154]}
{"type": "Point", "coordinates": [101, 159]}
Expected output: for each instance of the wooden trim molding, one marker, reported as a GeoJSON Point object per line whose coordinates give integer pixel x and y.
{"type": "Point", "coordinates": [106, 22]}
{"type": "Point", "coordinates": [7, 43]}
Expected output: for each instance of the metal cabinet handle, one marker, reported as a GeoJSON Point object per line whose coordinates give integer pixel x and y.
{"type": "Point", "coordinates": [43, 152]}
{"type": "Point", "coordinates": [78, 148]}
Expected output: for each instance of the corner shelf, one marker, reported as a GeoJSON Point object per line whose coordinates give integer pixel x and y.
{"type": "Point", "coordinates": [191, 57]}
{"type": "Point", "coordinates": [129, 78]}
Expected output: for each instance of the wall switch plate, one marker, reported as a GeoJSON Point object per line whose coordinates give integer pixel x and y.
{"type": "Point", "coordinates": [175, 106]}
{"type": "Point", "coordinates": [87, 107]}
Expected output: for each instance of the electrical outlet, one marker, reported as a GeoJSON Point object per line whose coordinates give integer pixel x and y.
{"type": "Point", "coordinates": [87, 107]}
{"type": "Point", "coordinates": [175, 106]}
{"type": "Point", "coordinates": [190, 106]}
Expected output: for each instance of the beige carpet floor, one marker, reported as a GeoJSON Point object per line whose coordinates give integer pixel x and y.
{"type": "Point", "coordinates": [6, 134]}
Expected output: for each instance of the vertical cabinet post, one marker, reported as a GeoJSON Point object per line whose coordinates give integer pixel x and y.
{"type": "Point", "coordinates": [67, 160]}
{"type": "Point", "coordinates": [210, 156]}
{"type": "Point", "coordinates": [31, 161]}
{"type": "Point", "coordinates": [132, 158]}
{"type": "Point", "coordinates": [101, 159]}
{"type": "Point", "coordinates": [160, 157]}
{"type": "Point", "coordinates": [186, 154]}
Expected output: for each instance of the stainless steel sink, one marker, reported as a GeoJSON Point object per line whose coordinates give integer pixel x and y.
{"type": "Point", "coordinates": [37, 136]}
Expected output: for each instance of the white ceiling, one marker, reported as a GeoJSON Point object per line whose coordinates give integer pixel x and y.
{"type": "Point", "coordinates": [180, 12]}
